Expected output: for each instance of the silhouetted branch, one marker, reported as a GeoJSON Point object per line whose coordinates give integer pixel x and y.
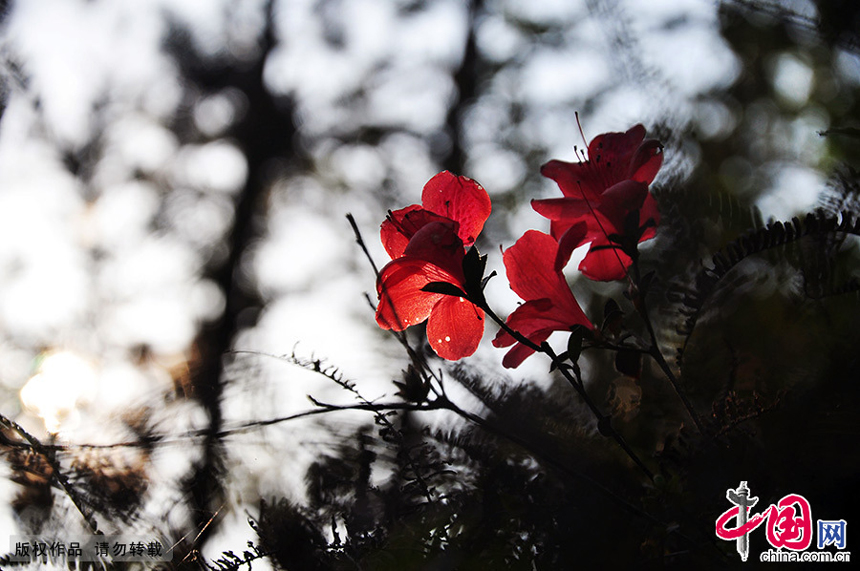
{"type": "Point", "coordinates": [46, 452]}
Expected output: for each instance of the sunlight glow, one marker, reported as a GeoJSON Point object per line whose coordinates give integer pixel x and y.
{"type": "Point", "coordinates": [62, 381]}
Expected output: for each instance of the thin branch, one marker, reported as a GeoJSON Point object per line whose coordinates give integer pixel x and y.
{"type": "Point", "coordinates": [360, 241]}
{"type": "Point", "coordinates": [382, 419]}
{"type": "Point", "coordinates": [417, 358]}
{"type": "Point", "coordinates": [47, 453]}
{"type": "Point", "coordinates": [443, 403]}
{"type": "Point", "coordinates": [657, 355]}
{"type": "Point", "coordinates": [547, 459]}
{"type": "Point", "coordinates": [603, 421]}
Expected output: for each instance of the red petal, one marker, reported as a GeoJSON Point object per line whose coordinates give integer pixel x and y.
{"type": "Point", "coordinates": [605, 265]}
{"type": "Point", "coordinates": [647, 161]}
{"type": "Point", "coordinates": [532, 273]}
{"type": "Point", "coordinates": [612, 158]}
{"type": "Point", "coordinates": [565, 213]}
{"type": "Point", "coordinates": [401, 225]}
{"type": "Point", "coordinates": [649, 210]}
{"type": "Point", "coordinates": [455, 328]}
{"type": "Point", "coordinates": [536, 320]}
{"type": "Point", "coordinates": [401, 301]}
{"type": "Point", "coordinates": [558, 228]}
{"type": "Point", "coordinates": [616, 147]}
{"type": "Point", "coordinates": [611, 154]}
{"type": "Point", "coordinates": [574, 237]}
{"type": "Point", "coordinates": [437, 244]}
{"type": "Point", "coordinates": [519, 353]}
{"type": "Point", "coordinates": [461, 199]}
{"type": "Point", "coordinates": [530, 265]}
{"type": "Point", "coordinates": [621, 199]}
{"type": "Point", "coordinates": [538, 315]}
{"type": "Point", "coordinates": [577, 180]}
{"type": "Point", "coordinates": [571, 210]}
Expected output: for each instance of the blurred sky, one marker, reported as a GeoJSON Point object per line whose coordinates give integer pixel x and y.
{"type": "Point", "coordinates": [96, 265]}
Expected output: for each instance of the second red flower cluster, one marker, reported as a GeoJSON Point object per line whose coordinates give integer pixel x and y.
{"type": "Point", "coordinates": [605, 203]}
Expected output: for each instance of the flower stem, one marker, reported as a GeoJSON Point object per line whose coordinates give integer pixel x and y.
{"type": "Point", "coordinates": [654, 349]}
{"type": "Point", "coordinates": [603, 421]}
{"type": "Point", "coordinates": [549, 459]}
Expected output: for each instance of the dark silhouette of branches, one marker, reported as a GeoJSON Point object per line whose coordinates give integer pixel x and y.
{"type": "Point", "coordinates": [466, 469]}
{"type": "Point", "coordinates": [775, 235]}
{"type": "Point", "coordinates": [837, 21]}
{"type": "Point", "coordinates": [265, 135]}
{"type": "Point", "coordinates": [466, 79]}
{"type": "Point", "coordinates": [56, 471]}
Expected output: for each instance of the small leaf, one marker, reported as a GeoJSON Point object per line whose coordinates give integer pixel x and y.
{"type": "Point", "coordinates": [631, 225]}
{"type": "Point", "coordinates": [646, 282]}
{"type": "Point", "coordinates": [486, 279]}
{"type": "Point", "coordinates": [624, 398]}
{"type": "Point", "coordinates": [413, 389]}
{"type": "Point", "coordinates": [473, 265]}
{"type": "Point", "coordinates": [444, 288]}
{"type": "Point", "coordinates": [614, 238]}
{"type": "Point", "coordinates": [604, 426]}
{"type": "Point", "coordinates": [473, 271]}
{"type": "Point", "coordinates": [629, 363]}
{"type": "Point", "coordinates": [574, 343]}
{"type": "Point", "coordinates": [613, 317]}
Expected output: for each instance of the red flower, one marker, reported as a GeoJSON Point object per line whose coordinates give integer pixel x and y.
{"type": "Point", "coordinates": [434, 254]}
{"type": "Point", "coordinates": [427, 244]}
{"type": "Point", "coordinates": [601, 192]}
{"type": "Point", "coordinates": [446, 198]}
{"type": "Point", "coordinates": [534, 266]}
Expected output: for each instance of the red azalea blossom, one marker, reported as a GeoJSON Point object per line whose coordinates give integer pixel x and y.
{"type": "Point", "coordinates": [534, 267]}
{"type": "Point", "coordinates": [434, 254]}
{"type": "Point", "coordinates": [446, 198]}
{"type": "Point", "coordinates": [427, 244]}
{"type": "Point", "coordinates": [601, 192]}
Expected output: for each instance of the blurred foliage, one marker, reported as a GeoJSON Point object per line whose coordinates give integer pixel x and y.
{"type": "Point", "coordinates": [758, 318]}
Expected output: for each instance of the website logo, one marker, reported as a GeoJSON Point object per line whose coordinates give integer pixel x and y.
{"type": "Point", "coordinates": [788, 526]}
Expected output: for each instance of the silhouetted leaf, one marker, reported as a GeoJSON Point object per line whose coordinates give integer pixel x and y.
{"type": "Point", "coordinates": [629, 363]}
{"type": "Point", "coordinates": [444, 288]}
{"type": "Point", "coordinates": [574, 345]}
{"type": "Point", "coordinates": [413, 388]}
{"type": "Point", "coordinates": [473, 270]}
{"type": "Point", "coordinates": [613, 317]}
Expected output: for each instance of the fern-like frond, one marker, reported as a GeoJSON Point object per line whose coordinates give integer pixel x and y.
{"type": "Point", "coordinates": [774, 235]}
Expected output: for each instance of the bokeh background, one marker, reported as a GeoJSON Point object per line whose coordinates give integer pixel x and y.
{"type": "Point", "coordinates": [175, 175]}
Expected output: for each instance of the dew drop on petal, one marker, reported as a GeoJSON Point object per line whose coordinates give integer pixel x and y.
{"type": "Point", "coordinates": [447, 338]}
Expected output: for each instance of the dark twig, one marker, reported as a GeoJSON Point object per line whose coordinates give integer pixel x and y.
{"type": "Point", "coordinates": [47, 452]}
{"type": "Point", "coordinates": [603, 421]}
{"type": "Point", "coordinates": [443, 403]}
{"type": "Point", "coordinates": [381, 419]}
{"type": "Point", "coordinates": [655, 352]}
{"type": "Point", "coordinates": [415, 356]}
